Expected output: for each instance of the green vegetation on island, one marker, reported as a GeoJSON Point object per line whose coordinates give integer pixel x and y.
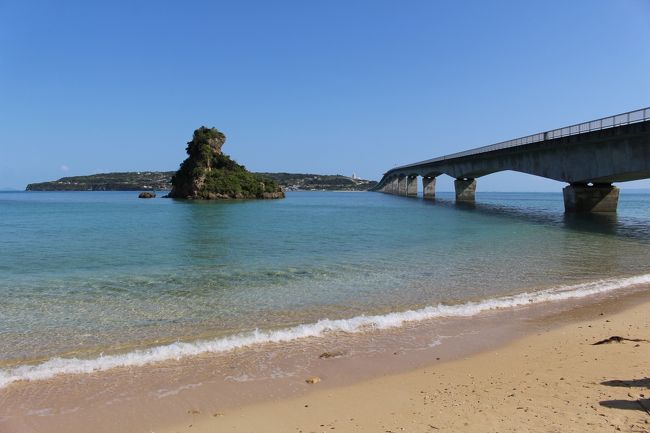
{"type": "Point", "coordinates": [319, 182]}
{"type": "Point", "coordinates": [162, 181]}
{"type": "Point", "coordinates": [126, 181]}
{"type": "Point", "coordinates": [209, 174]}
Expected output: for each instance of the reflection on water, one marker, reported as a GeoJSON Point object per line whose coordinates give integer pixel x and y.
{"type": "Point", "coordinates": [547, 210]}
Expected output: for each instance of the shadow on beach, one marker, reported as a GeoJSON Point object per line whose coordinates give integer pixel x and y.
{"type": "Point", "coordinates": [641, 404]}
{"type": "Point", "coordinates": [636, 383]}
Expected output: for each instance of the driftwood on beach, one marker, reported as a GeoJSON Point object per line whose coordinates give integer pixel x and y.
{"type": "Point", "coordinates": [617, 339]}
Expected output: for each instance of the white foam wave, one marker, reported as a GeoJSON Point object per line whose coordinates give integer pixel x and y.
{"type": "Point", "coordinates": [58, 366]}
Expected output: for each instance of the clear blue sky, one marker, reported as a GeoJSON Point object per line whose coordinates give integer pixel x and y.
{"type": "Point", "coordinates": [305, 86]}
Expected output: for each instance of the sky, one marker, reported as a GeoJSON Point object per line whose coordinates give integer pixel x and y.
{"type": "Point", "coordinates": [329, 87]}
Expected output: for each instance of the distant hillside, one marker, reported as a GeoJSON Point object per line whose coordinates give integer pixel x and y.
{"type": "Point", "coordinates": [161, 181]}
{"type": "Point", "coordinates": [127, 181]}
{"type": "Point", "coordinates": [317, 182]}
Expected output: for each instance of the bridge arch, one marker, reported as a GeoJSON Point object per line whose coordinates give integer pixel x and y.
{"type": "Point", "coordinates": [589, 157]}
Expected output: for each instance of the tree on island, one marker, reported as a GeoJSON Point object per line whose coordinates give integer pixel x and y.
{"type": "Point", "coordinates": [209, 174]}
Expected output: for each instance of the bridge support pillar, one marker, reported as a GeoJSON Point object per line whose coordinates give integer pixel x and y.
{"type": "Point", "coordinates": [585, 198]}
{"type": "Point", "coordinates": [388, 188]}
{"type": "Point", "coordinates": [411, 186]}
{"type": "Point", "coordinates": [428, 188]}
{"type": "Point", "coordinates": [465, 189]}
{"type": "Point", "coordinates": [401, 185]}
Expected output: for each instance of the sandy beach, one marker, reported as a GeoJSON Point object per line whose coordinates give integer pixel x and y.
{"type": "Point", "coordinates": [555, 380]}
{"type": "Point", "coordinates": [532, 368]}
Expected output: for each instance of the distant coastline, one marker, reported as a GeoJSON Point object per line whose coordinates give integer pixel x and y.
{"type": "Point", "coordinates": [161, 181]}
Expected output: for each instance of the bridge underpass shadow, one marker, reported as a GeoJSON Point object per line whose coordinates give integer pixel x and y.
{"type": "Point", "coordinates": [601, 223]}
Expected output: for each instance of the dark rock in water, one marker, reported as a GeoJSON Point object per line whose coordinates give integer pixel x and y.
{"type": "Point", "coordinates": [147, 194]}
{"type": "Point", "coordinates": [327, 355]}
{"type": "Point", "coordinates": [272, 195]}
{"type": "Point", "coordinates": [209, 174]}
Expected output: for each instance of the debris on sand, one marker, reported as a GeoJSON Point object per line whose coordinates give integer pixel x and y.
{"type": "Point", "coordinates": [617, 339]}
{"type": "Point", "coordinates": [327, 355]}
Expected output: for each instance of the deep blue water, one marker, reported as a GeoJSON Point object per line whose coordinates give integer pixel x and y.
{"type": "Point", "coordinates": [84, 272]}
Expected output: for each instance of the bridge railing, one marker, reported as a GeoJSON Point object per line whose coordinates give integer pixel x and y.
{"type": "Point", "coordinates": [604, 123]}
{"type": "Point", "coordinates": [628, 118]}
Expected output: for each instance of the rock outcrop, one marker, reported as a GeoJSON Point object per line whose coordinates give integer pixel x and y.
{"type": "Point", "coordinates": [147, 194]}
{"type": "Point", "coordinates": [209, 174]}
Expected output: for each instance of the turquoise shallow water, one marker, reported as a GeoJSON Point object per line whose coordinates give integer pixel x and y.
{"type": "Point", "coordinates": [90, 272]}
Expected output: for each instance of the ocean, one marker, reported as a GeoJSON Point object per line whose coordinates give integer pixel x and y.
{"type": "Point", "coordinates": [95, 280]}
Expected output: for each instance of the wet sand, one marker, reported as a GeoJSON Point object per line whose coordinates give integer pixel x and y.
{"type": "Point", "coordinates": [553, 381]}
{"type": "Point", "coordinates": [523, 369]}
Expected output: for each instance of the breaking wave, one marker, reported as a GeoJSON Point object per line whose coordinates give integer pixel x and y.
{"type": "Point", "coordinates": [58, 366]}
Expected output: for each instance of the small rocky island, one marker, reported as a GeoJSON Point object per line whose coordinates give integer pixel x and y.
{"type": "Point", "coordinates": [209, 174]}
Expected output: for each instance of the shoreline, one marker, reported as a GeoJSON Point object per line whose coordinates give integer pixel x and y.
{"type": "Point", "coordinates": [160, 396]}
{"type": "Point", "coordinates": [555, 379]}
{"type": "Point", "coordinates": [49, 368]}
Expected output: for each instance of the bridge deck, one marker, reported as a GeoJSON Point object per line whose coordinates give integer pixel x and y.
{"type": "Point", "coordinates": [589, 156]}
{"type": "Point", "coordinates": [636, 116]}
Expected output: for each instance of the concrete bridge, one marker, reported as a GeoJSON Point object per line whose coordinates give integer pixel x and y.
{"type": "Point", "coordinates": [589, 157]}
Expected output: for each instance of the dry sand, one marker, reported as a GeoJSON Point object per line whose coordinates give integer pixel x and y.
{"type": "Point", "coordinates": [555, 381]}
